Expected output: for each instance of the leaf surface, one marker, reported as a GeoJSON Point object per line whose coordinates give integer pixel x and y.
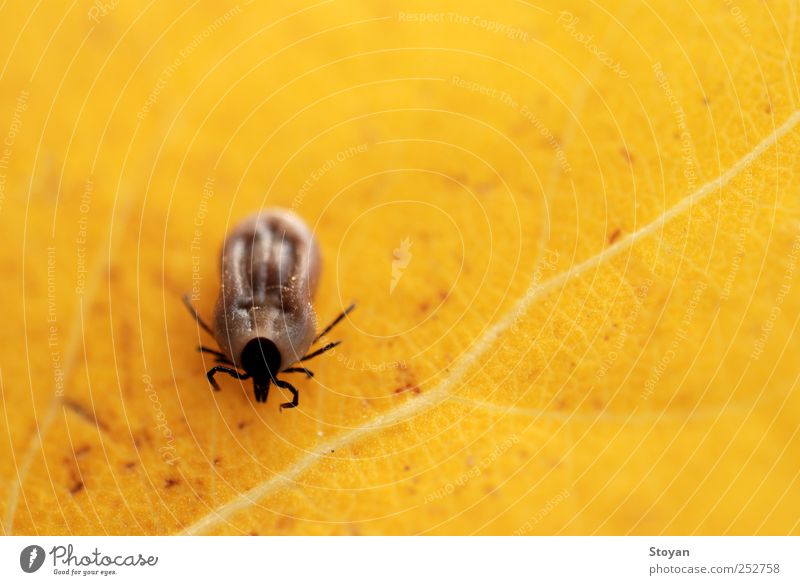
{"type": "Point", "coordinates": [572, 230]}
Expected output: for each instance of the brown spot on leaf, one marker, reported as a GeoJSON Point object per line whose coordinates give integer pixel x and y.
{"type": "Point", "coordinates": [614, 236]}
{"type": "Point", "coordinates": [627, 154]}
{"type": "Point", "coordinates": [76, 487]}
{"type": "Point", "coordinates": [406, 387]}
{"type": "Point", "coordinates": [460, 178]}
{"type": "Point", "coordinates": [242, 424]}
{"type": "Point", "coordinates": [85, 413]}
{"type": "Point", "coordinates": [82, 451]}
{"type": "Point", "coordinates": [170, 482]}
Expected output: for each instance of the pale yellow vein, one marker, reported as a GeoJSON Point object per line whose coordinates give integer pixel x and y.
{"type": "Point", "coordinates": [411, 408]}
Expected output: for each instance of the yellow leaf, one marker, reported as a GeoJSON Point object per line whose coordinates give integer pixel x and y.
{"type": "Point", "coordinates": [573, 232]}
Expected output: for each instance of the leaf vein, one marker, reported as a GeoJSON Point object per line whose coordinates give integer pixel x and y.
{"type": "Point", "coordinates": [439, 393]}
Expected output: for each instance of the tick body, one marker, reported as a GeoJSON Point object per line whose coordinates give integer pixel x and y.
{"type": "Point", "coordinates": [264, 321]}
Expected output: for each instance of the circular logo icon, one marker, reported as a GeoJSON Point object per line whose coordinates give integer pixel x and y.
{"type": "Point", "coordinates": [31, 558]}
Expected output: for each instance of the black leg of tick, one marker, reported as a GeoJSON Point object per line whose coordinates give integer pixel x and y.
{"type": "Point", "coordinates": [305, 371]}
{"type": "Point", "coordinates": [224, 370]}
{"type": "Point", "coordinates": [335, 322]}
{"type": "Point", "coordinates": [314, 354]}
{"type": "Point", "coordinates": [218, 354]}
{"type": "Point", "coordinates": [261, 391]}
{"type": "Point", "coordinates": [196, 315]}
{"type": "Point", "coordinates": [290, 388]}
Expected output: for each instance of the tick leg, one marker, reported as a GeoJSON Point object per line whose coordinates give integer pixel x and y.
{"type": "Point", "coordinates": [290, 388]}
{"type": "Point", "coordinates": [305, 371]}
{"type": "Point", "coordinates": [314, 354]}
{"type": "Point", "coordinates": [230, 371]}
{"type": "Point", "coordinates": [335, 322]}
{"type": "Point", "coordinates": [261, 391]}
{"type": "Point", "coordinates": [218, 354]}
{"type": "Point", "coordinates": [196, 315]}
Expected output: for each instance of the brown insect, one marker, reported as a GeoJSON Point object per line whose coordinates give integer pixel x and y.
{"type": "Point", "coordinates": [264, 322]}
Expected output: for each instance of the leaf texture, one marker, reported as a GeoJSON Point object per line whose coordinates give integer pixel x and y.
{"type": "Point", "coordinates": [572, 230]}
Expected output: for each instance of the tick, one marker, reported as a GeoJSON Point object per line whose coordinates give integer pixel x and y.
{"type": "Point", "coordinates": [264, 322]}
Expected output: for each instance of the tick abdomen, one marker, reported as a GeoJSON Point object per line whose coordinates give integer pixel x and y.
{"type": "Point", "coordinates": [270, 265]}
